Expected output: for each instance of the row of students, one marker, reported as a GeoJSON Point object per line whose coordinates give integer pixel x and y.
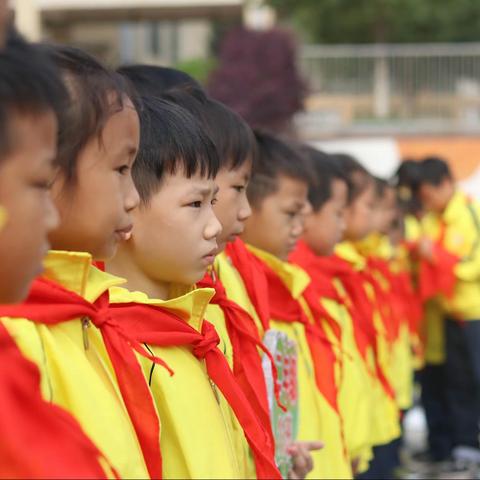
{"type": "Point", "coordinates": [187, 248]}
{"type": "Point", "coordinates": [446, 247]}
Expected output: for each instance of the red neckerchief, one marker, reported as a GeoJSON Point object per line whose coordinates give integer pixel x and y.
{"type": "Point", "coordinates": [254, 274]}
{"type": "Point", "coordinates": [438, 276]}
{"type": "Point", "coordinates": [251, 270]}
{"type": "Point", "coordinates": [158, 326]}
{"type": "Point", "coordinates": [385, 297]}
{"type": "Point", "coordinates": [247, 363]}
{"type": "Point", "coordinates": [321, 286]}
{"type": "Point", "coordinates": [38, 439]}
{"type": "Point", "coordinates": [360, 308]}
{"type": "Point", "coordinates": [285, 308]}
{"type": "Point", "coordinates": [49, 303]}
{"type": "Point", "coordinates": [403, 283]}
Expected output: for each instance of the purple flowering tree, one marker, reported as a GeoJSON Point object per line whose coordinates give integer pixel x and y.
{"type": "Point", "coordinates": [257, 76]}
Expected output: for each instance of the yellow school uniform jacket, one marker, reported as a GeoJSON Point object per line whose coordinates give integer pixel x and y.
{"type": "Point", "coordinates": [401, 359]}
{"type": "Point", "coordinates": [235, 288]}
{"type": "Point", "coordinates": [317, 419]}
{"type": "Point", "coordinates": [80, 379]}
{"type": "Point", "coordinates": [197, 437]}
{"type": "Point", "coordinates": [385, 425]}
{"type": "Point", "coordinates": [246, 464]}
{"type": "Point", "coordinates": [461, 220]}
{"type": "Point", "coordinates": [353, 382]}
{"type": "Point", "coordinates": [407, 351]}
{"type": "Point", "coordinates": [413, 228]}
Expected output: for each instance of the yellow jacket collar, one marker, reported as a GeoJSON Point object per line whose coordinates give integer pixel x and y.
{"type": "Point", "coordinates": [376, 245]}
{"type": "Point", "coordinates": [294, 277]}
{"type": "Point", "coordinates": [190, 306]}
{"type": "Point", "coordinates": [348, 252]}
{"type": "Point", "coordinates": [76, 272]}
{"type": "Point", "coordinates": [220, 259]}
{"type": "Point", "coordinates": [455, 207]}
{"type": "Point", "coordinates": [370, 244]}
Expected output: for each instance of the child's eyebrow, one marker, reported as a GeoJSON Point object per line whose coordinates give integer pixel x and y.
{"type": "Point", "coordinates": [131, 150]}
{"type": "Point", "coordinates": [204, 191]}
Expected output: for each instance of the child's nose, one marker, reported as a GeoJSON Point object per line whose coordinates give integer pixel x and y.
{"type": "Point", "coordinates": [213, 228]}
{"type": "Point", "coordinates": [132, 199]}
{"type": "Point", "coordinates": [307, 208]}
{"type": "Point", "coordinates": [245, 211]}
{"type": "Point", "coordinates": [297, 229]}
{"type": "Point", "coordinates": [53, 217]}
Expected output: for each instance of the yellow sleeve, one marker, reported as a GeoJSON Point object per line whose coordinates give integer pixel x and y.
{"type": "Point", "coordinates": [468, 269]}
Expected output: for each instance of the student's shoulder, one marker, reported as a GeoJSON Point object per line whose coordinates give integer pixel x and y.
{"type": "Point", "coordinates": [467, 211]}
{"type": "Point", "coordinates": [28, 336]}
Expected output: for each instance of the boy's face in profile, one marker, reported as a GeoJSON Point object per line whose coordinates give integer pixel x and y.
{"type": "Point", "coordinates": [277, 223]}
{"type": "Point", "coordinates": [388, 210]}
{"type": "Point", "coordinates": [232, 207]}
{"type": "Point", "coordinates": [174, 238]}
{"type": "Point", "coordinates": [435, 198]}
{"type": "Point", "coordinates": [95, 208]}
{"type": "Point", "coordinates": [359, 215]}
{"type": "Point", "coordinates": [324, 228]}
{"type": "Point", "coordinates": [26, 173]}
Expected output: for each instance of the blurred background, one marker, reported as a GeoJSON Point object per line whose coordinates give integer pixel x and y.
{"type": "Point", "coordinates": [382, 79]}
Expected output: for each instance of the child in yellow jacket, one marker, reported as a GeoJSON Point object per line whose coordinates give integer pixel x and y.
{"type": "Point", "coordinates": [323, 230]}
{"type": "Point", "coordinates": [31, 98]}
{"type": "Point", "coordinates": [172, 245]}
{"type": "Point", "coordinates": [449, 249]}
{"type": "Point", "coordinates": [278, 195]}
{"type": "Point", "coordinates": [231, 311]}
{"type": "Point", "coordinates": [379, 251]}
{"type": "Point", "coordinates": [371, 332]}
{"type": "Point", "coordinates": [94, 193]}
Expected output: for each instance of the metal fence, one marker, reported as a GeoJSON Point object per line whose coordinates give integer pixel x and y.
{"type": "Point", "coordinates": [413, 88]}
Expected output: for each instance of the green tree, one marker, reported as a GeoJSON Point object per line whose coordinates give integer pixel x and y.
{"type": "Point", "coordinates": [391, 21]}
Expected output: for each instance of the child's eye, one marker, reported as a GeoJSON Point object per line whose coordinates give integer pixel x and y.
{"type": "Point", "coordinates": [43, 184]}
{"type": "Point", "coordinates": [197, 204]}
{"type": "Point", "coordinates": [123, 169]}
{"type": "Point", "coordinates": [239, 188]}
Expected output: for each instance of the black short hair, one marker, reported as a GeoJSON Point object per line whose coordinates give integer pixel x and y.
{"type": "Point", "coordinates": [233, 138]}
{"type": "Point", "coordinates": [13, 37]}
{"type": "Point", "coordinates": [381, 187]}
{"type": "Point", "coordinates": [358, 176]}
{"type": "Point", "coordinates": [170, 139]}
{"type": "Point", "coordinates": [230, 133]}
{"type": "Point", "coordinates": [155, 80]}
{"type": "Point", "coordinates": [96, 93]}
{"type": "Point", "coordinates": [324, 171]}
{"type": "Point", "coordinates": [407, 182]}
{"type": "Point", "coordinates": [29, 85]}
{"type": "Point", "coordinates": [434, 170]}
{"type": "Point", "coordinates": [275, 157]}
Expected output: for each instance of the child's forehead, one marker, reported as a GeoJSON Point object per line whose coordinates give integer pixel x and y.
{"type": "Point", "coordinates": [288, 183]}
{"type": "Point", "coordinates": [195, 183]}
{"type": "Point", "coordinates": [23, 126]}
{"type": "Point", "coordinates": [243, 171]}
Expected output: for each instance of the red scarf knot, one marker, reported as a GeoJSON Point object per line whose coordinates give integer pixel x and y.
{"type": "Point", "coordinates": [50, 304]}
{"type": "Point", "coordinates": [208, 342]}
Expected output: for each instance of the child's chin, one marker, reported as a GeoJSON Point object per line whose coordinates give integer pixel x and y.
{"type": "Point", "coordinates": [107, 252]}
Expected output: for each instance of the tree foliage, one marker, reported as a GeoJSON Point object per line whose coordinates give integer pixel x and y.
{"type": "Point", "coordinates": [392, 21]}
{"type": "Point", "coordinates": [257, 77]}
